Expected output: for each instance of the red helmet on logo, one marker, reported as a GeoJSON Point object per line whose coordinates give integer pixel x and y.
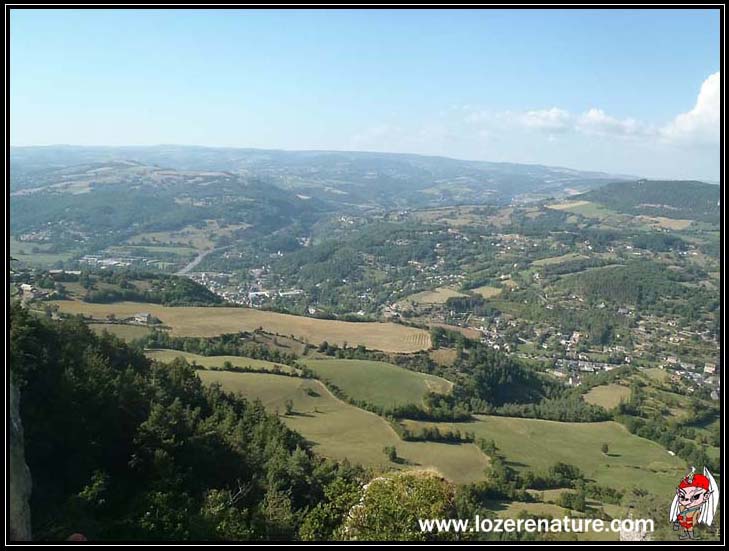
{"type": "Point", "coordinates": [695, 480]}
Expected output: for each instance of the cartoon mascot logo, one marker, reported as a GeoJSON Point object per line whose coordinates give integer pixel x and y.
{"type": "Point", "coordinates": [697, 498]}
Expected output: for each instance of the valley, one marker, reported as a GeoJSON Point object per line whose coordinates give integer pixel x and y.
{"type": "Point", "coordinates": [493, 344]}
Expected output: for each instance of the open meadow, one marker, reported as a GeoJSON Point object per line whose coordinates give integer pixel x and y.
{"type": "Point", "coordinates": [434, 296]}
{"type": "Point", "coordinates": [607, 396]}
{"type": "Point", "coordinates": [378, 383]}
{"type": "Point", "coordinates": [212, 321]}
{"type": "Point", "coordinates": [341, 431]}
{"type": "Point", "coordinates": [165, 355]}
{"type": "Point", "coordinates": [533, 444]}
{"type": "Point", "coordinates": [488, 291]}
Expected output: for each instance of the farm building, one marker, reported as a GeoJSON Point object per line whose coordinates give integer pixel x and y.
{"type": "Point", "coordinates": [142, 317]}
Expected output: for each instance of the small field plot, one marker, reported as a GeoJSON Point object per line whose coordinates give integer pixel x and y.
{"type": "Point", "coordinates": [487, 291]}
{"type": "Point", "coordinates": [593, 210]}
{"type": "Point", "coordinates": [607, 396]}
{"type": "Point", "coordinates": [558, 259]}
{"type": "Point", "coordinates": [435, 296]}
{"type": "Point", "coordinates": [37, 254]}
{"type": "Point", "coordinates": [669, 223]}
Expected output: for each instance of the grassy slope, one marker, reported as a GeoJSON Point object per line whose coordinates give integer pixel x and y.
{"type": "Point", "coordinates": [164, 355]}
{"type": "Point", "coordinates": [536, 444]}
{"type": "Point", "coordinates": [341, 431]}
{"type": "Point", "coordinates": [607, 396]}
{"type": "Point", "coordinates": [378, 383]}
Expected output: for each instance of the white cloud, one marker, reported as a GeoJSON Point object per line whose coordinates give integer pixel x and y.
{"type": "Point", "coordinates": [593, 138]}
{"type": "Point", "coordinates": [596, 121]}
{"type": "Point", "coordinates": [551, 120]}
{"type": "Point", "coordinates": [700, 126]}
{"type": "Point", "coordinates": [554, 120]}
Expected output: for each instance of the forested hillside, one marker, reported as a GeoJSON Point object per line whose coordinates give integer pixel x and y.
{"type": "Point", "coordinates": [673, 199]}
{"type": "Point", "coordinates": [122, 448]}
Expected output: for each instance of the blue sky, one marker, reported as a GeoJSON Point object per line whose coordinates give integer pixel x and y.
{"type": "Point", "coordinates": [621, 91]}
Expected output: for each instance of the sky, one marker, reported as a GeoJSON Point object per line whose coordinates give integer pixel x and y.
{"type": "Point", "coordinates": [622, 91]}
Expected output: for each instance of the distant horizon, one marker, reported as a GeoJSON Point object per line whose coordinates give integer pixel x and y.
{"type": "Point", "coordinates": [371, 152]}
{"type": "Point", "coordinates": [619, 91]}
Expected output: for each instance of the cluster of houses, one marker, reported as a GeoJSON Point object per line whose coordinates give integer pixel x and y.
{"type": "Point", "coordinates": [252, 295]}
{"type": "Point", "coordinates": [694, 375]}
{"type": "Point", "coordinates": [103, 262]}
{"type": "Point", "coordinates": [35, 236]}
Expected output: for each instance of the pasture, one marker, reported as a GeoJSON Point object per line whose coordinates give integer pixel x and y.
{"type": "Point", "coordinates": [37, 254]}
{"type": "Point", "coordinates": [487, 291]}
{"type": "Point", "coordinates": [199, 237]}
{"type": "Point", "coordinates": [338, 430]}
{"type": "Point", "coordinates": [434, 296]}
{"type": "Point", "coordinates": [557, 259]}
{"type": "Point", "coordinates": [663, 222]}
{"type": "Point", "coordinates": [607, 396]}
{"type": "Point", "coordinates": [532, 444]}
{"type": "Point", "coordinates": [164, 355]}
{"type": "Point", "coordinates": [379, 383]}
{"type": "Point", "coordinates": [443, 356]}
{"type": "Point", "coordinates": [212, 321]}
{"type": "Point", "coordinates": [593, 210]}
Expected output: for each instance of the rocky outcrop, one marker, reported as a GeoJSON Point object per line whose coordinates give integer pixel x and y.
{"type": "Point", "coordinates": [19, 482]}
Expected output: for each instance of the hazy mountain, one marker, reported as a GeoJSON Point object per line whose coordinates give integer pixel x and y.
{"type": "Point", "coordinates": [360, 179]}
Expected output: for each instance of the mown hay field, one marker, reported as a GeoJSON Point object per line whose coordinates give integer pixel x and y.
{"type": "Point", "coordinates": [211, 321]}
{"type": "Point", "coordinates": [607, 396]}
{"type": "Point", "coordinates": [166, 355]}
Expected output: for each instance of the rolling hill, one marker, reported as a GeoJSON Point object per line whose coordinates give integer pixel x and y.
{"type": "Point", "coordinates": [363, 179]}
{"type": "Point", "coordinates": [676, 199]}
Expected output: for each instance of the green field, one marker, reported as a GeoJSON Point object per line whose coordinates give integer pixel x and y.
{"type": "Point", "coordinates": [378, 383]}
{"type": "Point", "coordinates": [532, 444]}
{"type": "Point", "coordinates": [126, 332]}
{"type": "Point", "coordinates": [558, 259]}
{"type": "Point", "coordinates": [593, 210]}
{"type": "Point", "coordinates": [164, 355]}
{"type": "Point", "coordinates": [39, 258]}
{"type": "Point", "coordinates": [341, 431]}
{"type": "Point", "coordinates": [434, 296]}
{"type": "Point", "coordinates": [607, 396]}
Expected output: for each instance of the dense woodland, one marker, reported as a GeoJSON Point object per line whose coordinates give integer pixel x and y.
{"type": "Point", "coordinates": [122, 448]}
